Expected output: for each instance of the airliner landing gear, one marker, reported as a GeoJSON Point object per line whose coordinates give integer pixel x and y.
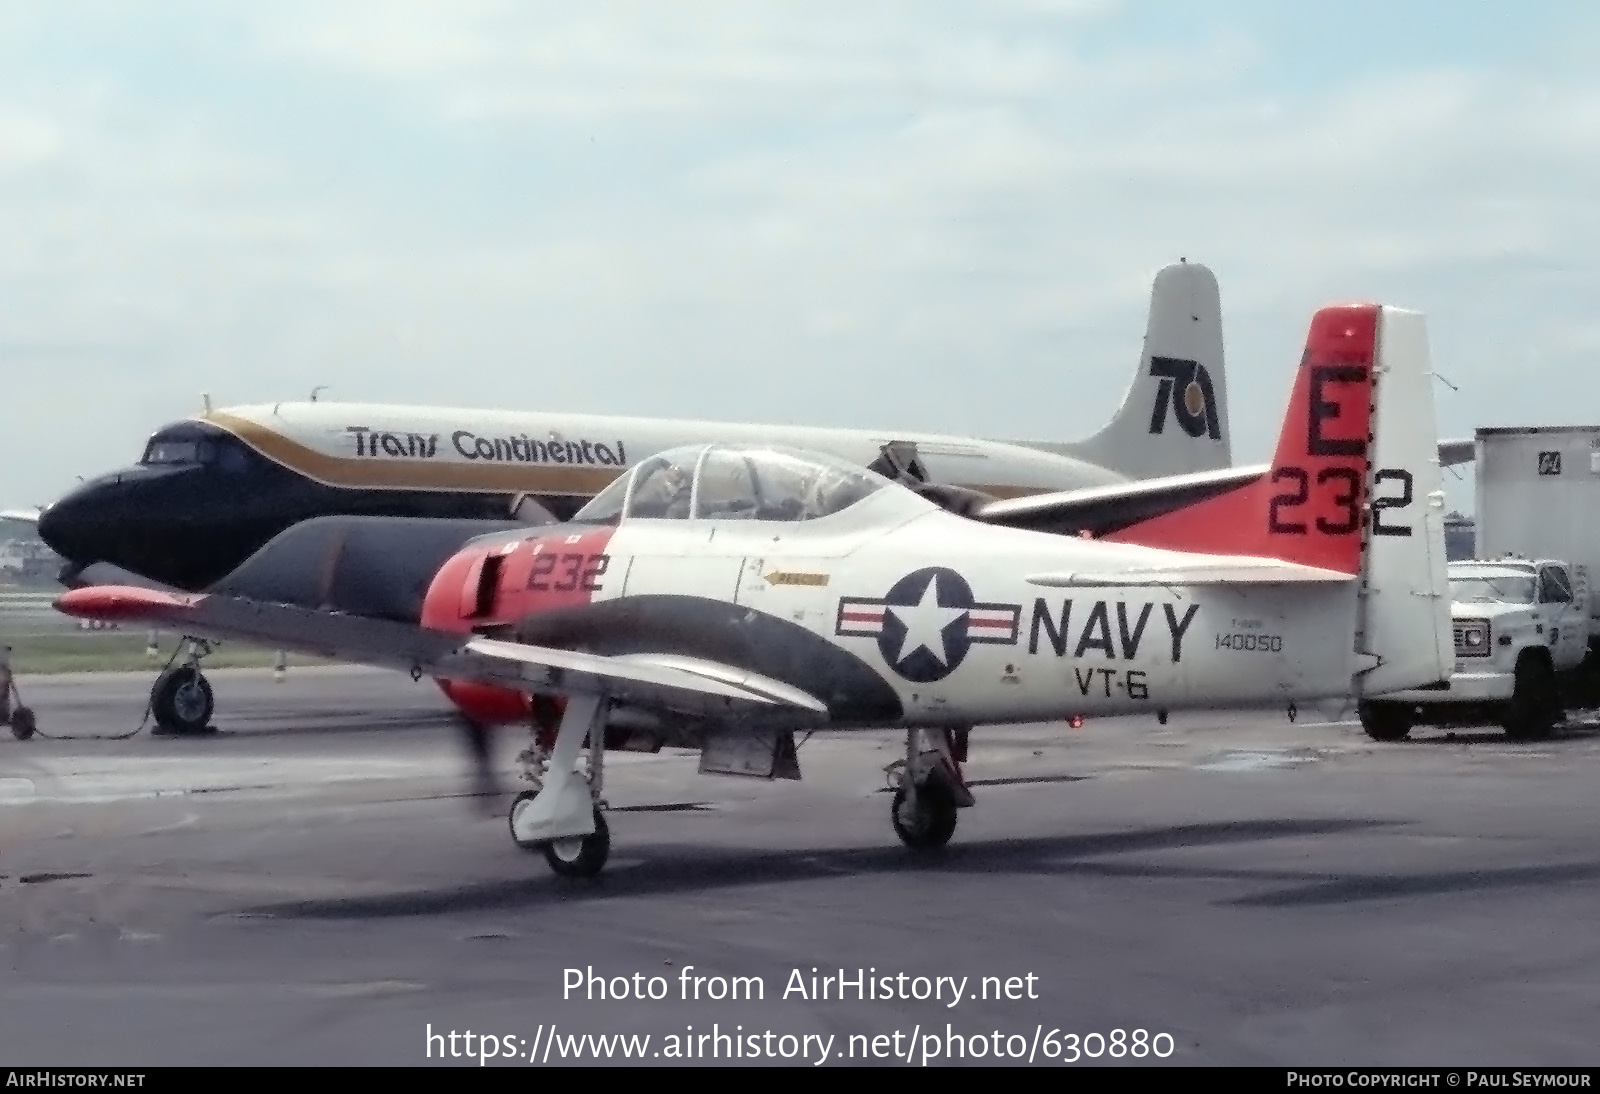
{"type": "Point", "coordinates": [564, 816]}
{"type": "Point", "coordinates": [181, 700]}
{"type": "Point", "coordinates": [931, 788]}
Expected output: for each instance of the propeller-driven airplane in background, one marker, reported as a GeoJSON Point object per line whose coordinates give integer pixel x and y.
{"type": "Point", "coordinates": [262, 501]}
{"type": "Point", "coordinates": [727, 596]}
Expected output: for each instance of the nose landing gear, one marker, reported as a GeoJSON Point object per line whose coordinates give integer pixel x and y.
{"type": "Point", "coordinates": [931, 787]}
{"type": "Point", "coordinates": [181, 700]}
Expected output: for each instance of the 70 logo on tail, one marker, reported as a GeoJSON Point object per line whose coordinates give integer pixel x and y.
{"type": "Point", "coordinates": [1186, 389]}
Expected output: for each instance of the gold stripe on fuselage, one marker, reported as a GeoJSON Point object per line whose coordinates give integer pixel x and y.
{"type": "Point", "coordinates": [384, 473]}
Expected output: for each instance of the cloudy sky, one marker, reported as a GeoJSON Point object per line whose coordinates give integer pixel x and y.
{"type": "Point", "coordinates": [917, 215]}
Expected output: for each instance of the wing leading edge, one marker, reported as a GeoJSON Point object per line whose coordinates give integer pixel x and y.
{"type": "Point", "coordinates": [668, 682]}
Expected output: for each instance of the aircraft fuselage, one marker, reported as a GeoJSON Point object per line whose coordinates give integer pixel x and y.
{"type": "Point", "coordinates": [214, 491]}
{"type": "Point", "coordinates": [933, 623]}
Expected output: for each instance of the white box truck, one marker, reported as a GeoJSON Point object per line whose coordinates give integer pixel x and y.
{"type": "Point", "coordinates": [1526, 614]}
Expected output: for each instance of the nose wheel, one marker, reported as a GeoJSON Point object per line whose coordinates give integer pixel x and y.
{"type": "Point", "coordinates": [931, 787]}
{"type": "Point", "coordinates": [926, 821]}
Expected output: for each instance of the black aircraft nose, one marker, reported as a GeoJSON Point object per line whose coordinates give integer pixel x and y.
{"type": "Point", "coordinates": [93, 522]}
{"type": "Point", "coordinates": [62, 528]}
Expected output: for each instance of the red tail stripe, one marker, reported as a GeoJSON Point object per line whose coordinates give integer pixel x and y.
{"type": "Point", "coordinates": [1309, 509]}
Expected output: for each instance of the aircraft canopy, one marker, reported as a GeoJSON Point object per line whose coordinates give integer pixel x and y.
{"type": "Point", "coordinates": [733, 482]}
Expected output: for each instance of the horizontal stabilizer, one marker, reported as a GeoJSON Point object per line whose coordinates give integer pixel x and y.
{"type": "Point", "coordinates": [1099, 509]}
{"type": "Point", "coordinates": [31, 516]}
{"type": "Point", "coordinates": [1240, 571]}
{"type": "Point", "coordinates": [1457, 451]}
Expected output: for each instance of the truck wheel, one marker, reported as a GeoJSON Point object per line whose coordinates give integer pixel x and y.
{"type": "Point", "coordinates": [1535, 708]}
{"type": "Point", "coordinates": [1385, 721]}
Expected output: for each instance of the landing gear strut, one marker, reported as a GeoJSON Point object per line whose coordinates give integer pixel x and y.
{"type": "Point", "coordinates": [181, 700]}
{"type": "Point", "coordinates": [931, 788]}
{"type": "Point", "coordinates": [564, 815]}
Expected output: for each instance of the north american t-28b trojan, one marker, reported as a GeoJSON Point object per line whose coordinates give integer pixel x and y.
{"type": "Point", "coordinates": [724, 597]}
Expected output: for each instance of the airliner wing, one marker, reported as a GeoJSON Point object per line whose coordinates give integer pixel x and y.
{"type": "Point", "coordinates": [30, 516]}
{"type": "Point", "coordinates": [678, 684]}
{"type": "Point", "coordinates": [1100, 509]}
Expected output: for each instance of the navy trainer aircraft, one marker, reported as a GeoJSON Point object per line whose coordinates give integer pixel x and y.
{"type": "Point", "coordinates": [725, 596]}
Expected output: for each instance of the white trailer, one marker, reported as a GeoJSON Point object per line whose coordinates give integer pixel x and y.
{"type": "Point", "coordinates": [1538, 496]}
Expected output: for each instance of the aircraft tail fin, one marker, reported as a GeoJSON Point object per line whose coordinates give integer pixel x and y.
{"type": "Point", "coordinates": [1174, 418]}
{"type": "Point", "coordinates": [1355, 488]}
{"type": "Point", "coordinates": [1405, 610]}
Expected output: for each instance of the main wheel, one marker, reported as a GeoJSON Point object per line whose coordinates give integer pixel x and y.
{"type": "Point", "coordinates": [580, 856]}
{"type": "Point", "coordinates": [929, 823]}
{"type": "Point", "coordinates": [181, 700]}
{"type": "Point", "coordinates": [22, 723]}
{"type": "Point", "coordinates": [1535, 707]}
{"type": "Point", "coordinates": [1384, 721]}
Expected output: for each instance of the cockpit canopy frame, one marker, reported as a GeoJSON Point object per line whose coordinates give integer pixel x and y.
{"type": "Point", "coordinates": [733, 482]}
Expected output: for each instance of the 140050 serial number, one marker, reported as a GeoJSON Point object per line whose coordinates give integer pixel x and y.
{"type": "Point", "coordinates": [1263, 643]}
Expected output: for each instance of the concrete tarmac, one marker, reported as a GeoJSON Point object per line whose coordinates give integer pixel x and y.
{"type": "Point", "coordinates": [309, 886]}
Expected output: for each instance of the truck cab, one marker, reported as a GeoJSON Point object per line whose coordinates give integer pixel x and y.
{"type": "Point", "coordinates": [1518, 623]}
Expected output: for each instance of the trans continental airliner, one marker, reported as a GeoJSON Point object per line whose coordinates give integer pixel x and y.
{"type": "Point", "coordinates": [210, 492]}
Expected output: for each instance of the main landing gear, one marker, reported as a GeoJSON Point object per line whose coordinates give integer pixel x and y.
{"type": "Point", "coordinates": [181, 700]}
{"type": "Point", "coordinates": [930, 788]}
{"type": "Point", "coordinates": [564, 816]}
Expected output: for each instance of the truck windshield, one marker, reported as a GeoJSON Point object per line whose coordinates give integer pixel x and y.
{"type": "Point", "coordinates": [1511, 589]}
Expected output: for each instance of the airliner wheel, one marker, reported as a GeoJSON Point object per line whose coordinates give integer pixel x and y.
{"type": "Point", "coordinates": [22, 723]}
{"type": "Point", "coordinates": [181, 700]}
{"type": "Point", "coordinates": [930, 823]}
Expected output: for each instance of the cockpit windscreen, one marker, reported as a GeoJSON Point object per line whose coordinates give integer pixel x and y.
{"type": "Point", "coordinates": [729, 482]}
